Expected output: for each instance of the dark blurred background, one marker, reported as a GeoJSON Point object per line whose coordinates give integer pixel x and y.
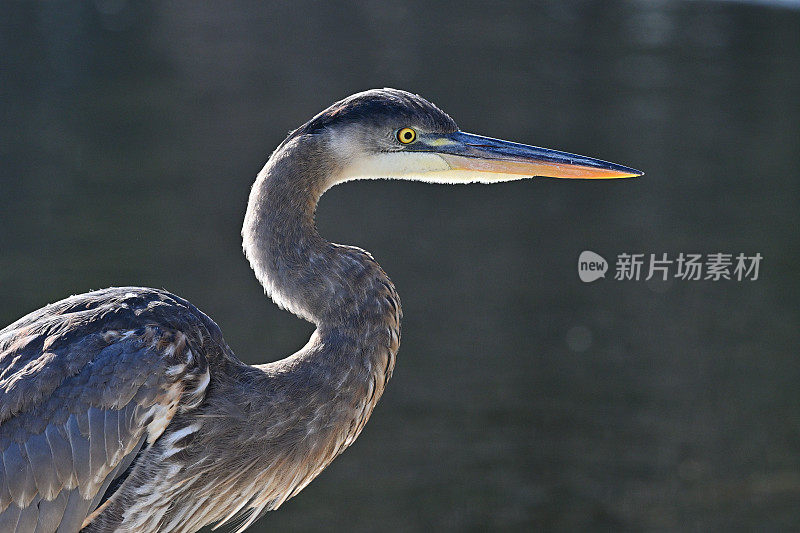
{"type": "Point", "coordinates": [523, 398]}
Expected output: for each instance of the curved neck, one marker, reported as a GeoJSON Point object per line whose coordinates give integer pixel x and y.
{"type": "Point", "coordinates": [337, 287]}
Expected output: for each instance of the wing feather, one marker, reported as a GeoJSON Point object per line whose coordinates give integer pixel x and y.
{"type": "Point", "coordinates": [40, 457]}
{"type": "Point", "coordinates": [29, 517]}
{"type": "Point", "coordinates": [9, 518]}
{"type": "Point", "coordinates": [62, 456]}
{"type": "Point", "coordinates": [5, 495]}
{"type": "Point", "coordinates": [19, 477]}
{"type": "Point", "coordinates": [113, 440]}
{"type": "Point", "coordinates": [51, 513]}
{"type": "Point", "coordinates": [97, 447]}
{"type": "Point", "coordinates": [80, 452]}
{"type": "Point", "coordinates": [83, 383]}
{"type": "Point", "coordinates": [74, 512]}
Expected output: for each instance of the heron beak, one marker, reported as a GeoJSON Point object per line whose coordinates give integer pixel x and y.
{"type": "Point", "coordinates": [478, 158]}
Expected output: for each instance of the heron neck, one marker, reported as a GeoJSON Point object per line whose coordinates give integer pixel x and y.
{"type": "Point", "coordinates": [342, 289]}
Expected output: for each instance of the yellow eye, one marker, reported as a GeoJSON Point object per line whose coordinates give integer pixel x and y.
{"type": "Point", "coordinates": [406, 135]}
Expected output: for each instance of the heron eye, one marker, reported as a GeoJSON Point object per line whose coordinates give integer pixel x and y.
{"type": "Point", "coordinates": [406, 135]}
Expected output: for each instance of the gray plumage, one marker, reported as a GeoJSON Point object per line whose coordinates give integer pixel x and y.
{"type": "Point", "coordinates": [125, 410]}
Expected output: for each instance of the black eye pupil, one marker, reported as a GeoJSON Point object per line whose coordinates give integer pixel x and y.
{"type": "Point", "coordinates": [406, 135]}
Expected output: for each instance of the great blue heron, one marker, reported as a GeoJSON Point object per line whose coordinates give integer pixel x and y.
{"type": "Point", "coordinates": [124, 410]}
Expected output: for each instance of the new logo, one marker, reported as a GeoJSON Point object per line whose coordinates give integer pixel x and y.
{"type": "Point", "coordinates": [591, 266]}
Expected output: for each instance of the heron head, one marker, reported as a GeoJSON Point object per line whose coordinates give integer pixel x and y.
{"type": "Point", "coordinates": [388, 133]}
